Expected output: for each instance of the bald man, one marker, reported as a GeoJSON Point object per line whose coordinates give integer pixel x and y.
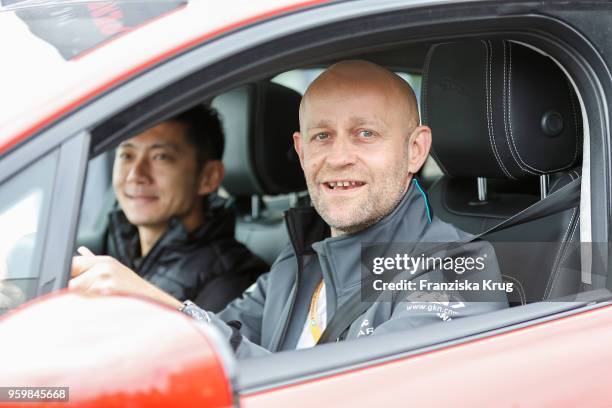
{"type": "Point", "coordinates": [359, 144]}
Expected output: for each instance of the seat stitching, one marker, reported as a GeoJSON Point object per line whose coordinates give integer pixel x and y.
{"type": "Point", "coordinates": [518, 154]}
{"type": "Point", "coordinates": [489, 109]}
{"type": "Point", "coordinates": [425, 95]}
{"type": "Point", "coordinates": [570, 238]}
{"type": "Point", "coordinates": [566, 253]}
{"type": "Point", "coordinates": [426, 80]}
{"type": "Point", "coordinates": [522, 293]}
{"type": "Point", "coordinates": [575, 121]}
{"type": "Point", "coordinates": [507, 108]}
{"type": "Point", "coordinates": [551, 278]}
{"type": "Point", "coordinates": [557, 257]}
{"type": "Point", "coordinates": [504, 105]}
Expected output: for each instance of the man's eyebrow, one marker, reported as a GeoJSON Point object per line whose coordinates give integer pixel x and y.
{"type": "Point", "coordinates": [360, 121]}
{"type": "Point", "coordinates": [126, 144]}
{"type": "Point", "coordinates": [156, 145]}
{"type": "Point", "coordinates": [166, 145]}
{"type": "Point", "coordinates": [354, 121]}
{"type": "Point", "coordinates": [322, 124]}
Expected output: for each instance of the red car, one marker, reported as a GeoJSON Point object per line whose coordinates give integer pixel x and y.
{"type": "Point", "coordinates": [78, 77]}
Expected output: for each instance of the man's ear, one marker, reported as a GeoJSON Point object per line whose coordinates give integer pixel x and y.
{"type": "Point", "coordinates": [297, 144]}
{"type": "Point", "coordinates": [419, 145]}
{"type": "Point", "coordinates": [211, 176]}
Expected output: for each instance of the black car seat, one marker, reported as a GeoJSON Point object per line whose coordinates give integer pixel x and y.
{"type": "Point", "coordinates": [506, 130]}
{"type": "Point", "coordinates": [263, 171]}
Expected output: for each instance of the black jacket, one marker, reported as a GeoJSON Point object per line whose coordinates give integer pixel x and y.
{"type": "Point", "coordinates": [207, 266]}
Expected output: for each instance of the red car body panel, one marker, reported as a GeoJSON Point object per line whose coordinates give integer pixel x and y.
{"type": "Point", "coordinates": [112, 351]}
{"type": "Point", "coordinates": [522, 368]}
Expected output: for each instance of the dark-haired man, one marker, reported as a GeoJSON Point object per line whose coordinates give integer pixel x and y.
{"type": "Point", "coordinates": [171, 227]}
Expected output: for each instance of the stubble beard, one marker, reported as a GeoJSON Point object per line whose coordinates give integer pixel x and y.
{"type": "Point", "coordinates": [365, 212]}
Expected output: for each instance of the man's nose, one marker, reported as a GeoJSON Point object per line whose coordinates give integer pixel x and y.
{"type": "Point", "coordinates": [342, 152]}
{"type": "Point", "coordinates": [139, 171]}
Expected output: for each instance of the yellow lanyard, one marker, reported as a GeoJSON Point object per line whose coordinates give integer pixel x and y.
{"type": "Point", "coordinates": [315, 327]}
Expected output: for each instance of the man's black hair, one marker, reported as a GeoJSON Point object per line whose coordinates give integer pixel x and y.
{"type": "Point", "coordinates": [204, 132]}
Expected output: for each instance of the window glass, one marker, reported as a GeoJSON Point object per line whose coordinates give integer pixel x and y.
{"type": "Point", "coordinates": [97, 192]}
{"type": "Point", "coordinates": [24, 206]}
{"type": "Point", "coordinates": [299, 79]}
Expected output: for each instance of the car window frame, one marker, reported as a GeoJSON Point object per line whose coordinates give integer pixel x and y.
{"type": "Point", "coordinates": [58, 230]}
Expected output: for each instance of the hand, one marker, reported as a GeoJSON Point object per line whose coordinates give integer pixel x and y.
{"type": "Point", "coordinates": [104, 274]}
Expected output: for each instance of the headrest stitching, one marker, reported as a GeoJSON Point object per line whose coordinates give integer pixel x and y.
{"type": "Point", "coordinates": [507, 108]}
{"type": "Point", "coordinates": [488, 69]}
{"type": "Point", "coordinates": [424, 99]}
{"type": "Point", "coordinates": [524, 165]}
{"type": "Point", "coordinates": [569, 86]}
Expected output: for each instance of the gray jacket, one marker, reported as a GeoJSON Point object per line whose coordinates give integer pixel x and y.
{"type": "Point", "coordinates": [272, 312]}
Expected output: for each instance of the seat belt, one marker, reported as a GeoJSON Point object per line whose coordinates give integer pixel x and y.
{"type": "Point", "coordinates": [563, 199]}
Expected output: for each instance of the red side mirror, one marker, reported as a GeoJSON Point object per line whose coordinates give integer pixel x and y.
{"type": "Point", "coordinates": [115, 351]}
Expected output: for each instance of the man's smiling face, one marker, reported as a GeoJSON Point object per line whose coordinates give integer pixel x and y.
{"type": "Point", "coordinates": [354, 146]}
{"type": "Point", "coordinates": [156, 175]}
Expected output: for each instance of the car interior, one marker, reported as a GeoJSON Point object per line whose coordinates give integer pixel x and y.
{"type": "Point", "coordinates": [494, 153]}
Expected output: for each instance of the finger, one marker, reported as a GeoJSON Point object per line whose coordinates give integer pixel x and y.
{"type": "Point", "coordinates": [83, 250]}
{"type": "Point", "coordinates": [81, 264]}
{"type": "Point", "coordinates": [81, 283]}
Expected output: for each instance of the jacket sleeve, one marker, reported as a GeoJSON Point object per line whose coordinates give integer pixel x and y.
{"type": "Point", "coordinates": [243, 347]}
{"type": "Point", "coordinates": [241, 321]}
{"type": "Point", "coordinates": [249, 309]}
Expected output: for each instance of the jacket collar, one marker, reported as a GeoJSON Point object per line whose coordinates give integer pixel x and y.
{"type": "Point", "coordinates": [219, 223]}
{"type": "Point", "coordinates": [309, 234]}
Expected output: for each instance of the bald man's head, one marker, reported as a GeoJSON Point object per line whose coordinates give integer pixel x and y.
{"type": "Point", "coordinates": [363, 74]}
{"type": "Point", "coordinates": [359, 143]}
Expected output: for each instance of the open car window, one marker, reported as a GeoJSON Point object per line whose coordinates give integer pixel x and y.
{"type": "Point", "coordinates": [24, 208]}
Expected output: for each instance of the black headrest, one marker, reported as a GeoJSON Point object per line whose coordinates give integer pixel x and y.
{"type": "Point", "coordinates": [259, 121]}
{"type": "Point", "coordinates": [499, 109]}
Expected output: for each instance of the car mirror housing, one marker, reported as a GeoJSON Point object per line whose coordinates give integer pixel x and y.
{"type": "Point", "coordinates": [115, 350]}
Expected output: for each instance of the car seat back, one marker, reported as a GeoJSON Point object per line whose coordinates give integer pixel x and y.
{"type": "Point", "coordinates": [506, 131]}
{"type": "Point", "coordinates": [263, 171]}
